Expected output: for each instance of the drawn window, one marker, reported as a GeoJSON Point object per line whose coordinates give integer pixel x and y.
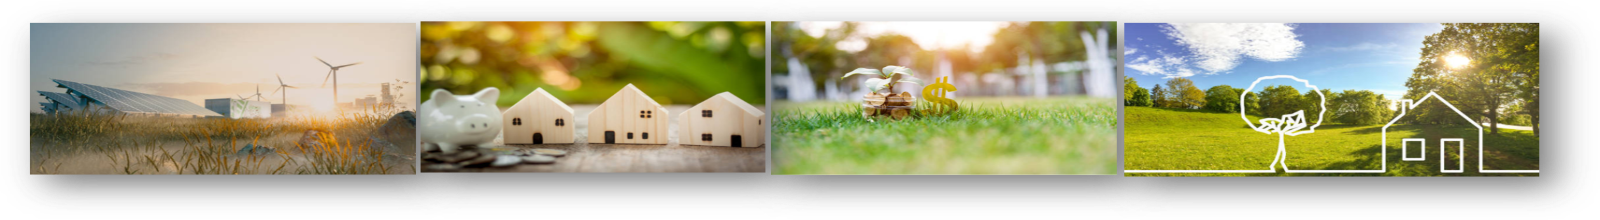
{"type": "Point", "coordinates": [1406, 152]}
{"type": "Point", "coordinates": [705, 137]}
{"type": "Point", "coordinates": [705, 113]}
{"type": "Point", "coordinates": [516, 121]}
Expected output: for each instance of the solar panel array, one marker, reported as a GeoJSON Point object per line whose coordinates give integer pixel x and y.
{"type": "Point", "coordinates": [60, 97]}
{"type": "Point", "coordinates": [135, 102]}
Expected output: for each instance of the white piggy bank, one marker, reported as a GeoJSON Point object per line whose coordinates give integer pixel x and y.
{"type": "Point", "coordinates": [450, 121]}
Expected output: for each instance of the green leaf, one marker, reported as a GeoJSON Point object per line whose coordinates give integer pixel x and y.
{"type": "Point", "coordinates": [897, 70]}
{"type": "Point", "coordinates": [864, 71]}
{"type": "Point", "coordinates": [911, 80]}
{"type": "Point", "coordinates": [876, 84]}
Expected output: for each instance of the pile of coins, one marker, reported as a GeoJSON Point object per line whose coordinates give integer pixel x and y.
{"type": "Point", "coordinates": [434, 161]}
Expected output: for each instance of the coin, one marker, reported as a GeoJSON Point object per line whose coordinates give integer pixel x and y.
{"type": "Point", "coordinates": [538, 159]}
{"type": "Point", "coordinates": [550, 152]}
{"type": "Point", "coordinates": [505, 160]}
{"type": "Point", "coordinates": [481, 159]}
{"type": "Point", "coordinates": [442, 166]}
{"type": "Point", "coordinates": [458, 157]}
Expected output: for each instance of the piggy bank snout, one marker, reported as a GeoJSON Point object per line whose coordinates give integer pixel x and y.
{"type": "Point", "coordinates": [475, 124]}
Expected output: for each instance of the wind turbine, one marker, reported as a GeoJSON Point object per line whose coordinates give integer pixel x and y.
{"type": "Point", "coordinates": [333, 72]}
{"type": "Point", "coordinates": [258, 93]}
{"type": "Point", "coordinates": [281, 87]}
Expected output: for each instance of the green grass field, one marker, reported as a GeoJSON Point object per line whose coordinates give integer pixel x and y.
{"type": "Point", "coordinates": [1064, 135]}
{"type": "Point", "coordinates": [1176, 139]}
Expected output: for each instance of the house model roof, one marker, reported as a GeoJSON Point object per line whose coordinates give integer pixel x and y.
{"type": "Point", "coordinates": [540, 93]}
{"type": "Point", "coordinates": [630, 89]}
{"type": "Point", "coordinates": [740, 102]}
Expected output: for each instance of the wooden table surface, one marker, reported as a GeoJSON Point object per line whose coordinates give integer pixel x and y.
{"type": "Point", "coordinates": [641, 158]}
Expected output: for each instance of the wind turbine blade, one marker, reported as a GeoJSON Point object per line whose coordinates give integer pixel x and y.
{"type": "Point", "coordinates": [275, 91]}
{"type": "Point", "coordinates": [319, 59]}
{"type": "Point", "coordinates": [353, 64]}
{"type": "Point", "coordinates": [325, 78]}
{"type": "Point", "coordinates": [291, 87]}
{"type": "Point", "coordinates": [280, 79]}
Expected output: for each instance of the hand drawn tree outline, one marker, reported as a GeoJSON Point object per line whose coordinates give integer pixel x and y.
{"type": "Point", "coordinates": [1289, 124]}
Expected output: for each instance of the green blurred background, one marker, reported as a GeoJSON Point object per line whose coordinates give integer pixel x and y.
{"type": "Point", "coordinates": [587, 62]}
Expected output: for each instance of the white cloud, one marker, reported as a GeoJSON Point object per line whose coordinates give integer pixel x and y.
{"type": "Point", "coordinates": [1130, 51]}
{"type": "Point", "coordinates": [1167, 65]}
{"type": "Point", "coordinates": [1219, 47]}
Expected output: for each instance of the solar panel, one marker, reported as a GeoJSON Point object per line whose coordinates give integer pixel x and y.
{"type": "Point", "coordinates": [136, 102]}
{"type": "Point", "coordinates": [60, 97]}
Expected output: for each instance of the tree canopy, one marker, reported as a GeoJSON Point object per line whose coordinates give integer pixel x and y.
{"type": "Point", "coordinates": [1480, 68]}
{"type": "Point", "coordinates": [1183, 94]}
{"type": "Point", "coordinates": [1222, 98]}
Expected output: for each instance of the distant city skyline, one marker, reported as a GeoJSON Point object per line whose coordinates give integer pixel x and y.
{"type": "Point", "coordinates": [195, 62]}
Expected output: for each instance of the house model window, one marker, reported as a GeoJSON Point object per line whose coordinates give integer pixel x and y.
{"type": "Point", "coordinates": [559, 122]}
{"type": "Point", "coordinates": [630, 135]}
{"type": "Point", "coordinates": [705, 113]}
{"type": "Point", "coordinates": [705, 137]}
{"type": "Point", "coordinates": [646, 114]}
{"type": "Point", "coordinates": [645, 135]}
{"type": "Point", "coordinates": [516, 121]}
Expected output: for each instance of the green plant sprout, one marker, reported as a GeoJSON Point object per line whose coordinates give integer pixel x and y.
{"type": "Point", "coordinates": [885, 78]}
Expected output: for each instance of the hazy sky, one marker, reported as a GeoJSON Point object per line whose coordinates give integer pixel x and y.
{"type": "Point", "coordinates": [928, 34]}
{"type": "Point", "coordinates": [1377, 57]}
{"type": "Point", "coordinates": [203, 61]}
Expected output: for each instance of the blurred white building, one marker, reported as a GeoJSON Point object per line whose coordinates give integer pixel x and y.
{"type": "Point", "coordinates": [1033, 77]}
{"type": "Point", "coordinates": [240, 108]}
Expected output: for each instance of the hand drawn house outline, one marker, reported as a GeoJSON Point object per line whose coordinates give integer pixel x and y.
{"type": "Point", "coordinates": [1406, 106]}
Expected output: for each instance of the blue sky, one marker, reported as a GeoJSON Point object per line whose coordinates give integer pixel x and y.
{"type": "Point", "coordinates": [1376, 57]}
{"type": "Point", "coordinates": [200, 61]}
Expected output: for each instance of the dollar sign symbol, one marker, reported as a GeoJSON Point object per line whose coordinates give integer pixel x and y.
{"type": "Point", "coordinates": [935, 93]}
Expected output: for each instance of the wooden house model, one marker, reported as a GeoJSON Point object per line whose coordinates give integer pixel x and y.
{"type": "Point", "coordinates": [628, 117]}
{"type": "Point", "coordinates": [538, 118]}
{"type": "Point", "coordinates": [723, 120]}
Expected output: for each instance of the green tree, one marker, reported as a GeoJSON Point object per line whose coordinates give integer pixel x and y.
{"type": "Point", "coordinates": [1479, 68]}
{"type": "Point", "coordinates": [1160, 97]}
{"type": "Point", "coordinates": [1252, 101]}
{"type": "Point", "coordinates": [1280, 100]}
{"type": "Point", "coordinates": [1359, 107]}
{"type": "Point", "coordinates": [1141, 97]}
{"type": "Point", "coordinates": [1128, 85]}
{"type": "Point", "coordinates": [1183, 94]}
{"type": "Point", "coordinates": [1222, 98]}
{"type": "Point", "coordinates": [1311, 102]}
{"type": "Point", "coordinates": [1515, 114]}
{"type": "Point", "coordinates": [1518, 52]}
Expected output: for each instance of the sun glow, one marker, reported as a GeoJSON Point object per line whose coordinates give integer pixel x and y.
{"type": "Point", "coordinates": [1456, 60]}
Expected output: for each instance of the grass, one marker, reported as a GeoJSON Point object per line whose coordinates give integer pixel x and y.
{"type": "Point", "coordinates": [1178, 139]}
{"type": "Point", "coordinates": [1069, 135]}
{"type": "Point", "coordinates": [87, 142]}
